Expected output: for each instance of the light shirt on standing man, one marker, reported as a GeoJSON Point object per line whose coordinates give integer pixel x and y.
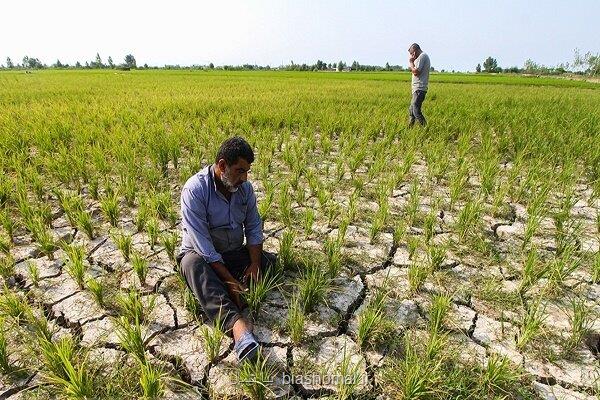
{"type": "Point", "coordinates": [421, 81]}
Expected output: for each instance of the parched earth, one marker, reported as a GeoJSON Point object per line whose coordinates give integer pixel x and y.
{"type": "Point", "coordinates": [482, 320]}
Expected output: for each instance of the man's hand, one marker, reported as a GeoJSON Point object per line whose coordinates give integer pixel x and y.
{"type": "Point", "coordinates": [252, 272]}
{"type": "Point", "coordinates": [235, 290]}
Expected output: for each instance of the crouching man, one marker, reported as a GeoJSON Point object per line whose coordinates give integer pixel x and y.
{"type": "Point", "coordinates": [218, 208]}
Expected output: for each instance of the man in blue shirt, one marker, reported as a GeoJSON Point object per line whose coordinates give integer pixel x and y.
{"type": "Point", "coordinates": [218, 209]}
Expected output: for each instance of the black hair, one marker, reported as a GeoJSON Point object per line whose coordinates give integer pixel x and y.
{"type": "Point", "coordinates": [414, 46]}
{"type": "Point", "coordinates": [234, 148]}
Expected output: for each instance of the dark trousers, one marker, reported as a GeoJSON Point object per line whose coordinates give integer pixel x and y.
{"type": "Point", "coordinates": [414, 111]}
{"type": "Point", "coordinates": [210, 290]}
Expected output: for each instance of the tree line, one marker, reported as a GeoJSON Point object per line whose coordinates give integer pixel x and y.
{"type": "Point", "coordinates": [588, 63]}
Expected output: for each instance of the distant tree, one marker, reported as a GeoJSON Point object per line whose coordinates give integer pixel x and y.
{"type": "Point", "coordinates": [110, 62]}
{"type": "Point", "coordinates": [130, 61]}
{"type": "Point", "coordinates": [387, 66]}
{"type": "Point", "coordinates": [490, 64]}
{"type": "Point", "coordinates": [341, 65]}
{"type": "Point", "coordinates": [57, 64]}
{"type": "Point", "coordinates": [32, 62]}
{"type": "Point", "coordinates": [478, 68]}
{"type": "Point", "coordinates": [355, 66]}
{"type": "Point", "coordinates": [87, 64]}
{"type": "Point", "coordinates": [77, 64]}
{"type": "Point", "coordinates": [589, 62]}
{"type": "Point", "coordinates": [97, 63]}
{"type": "Point", "coordinates": [211, 66]}
{"type": "Point", "coordinates": [9, 63]}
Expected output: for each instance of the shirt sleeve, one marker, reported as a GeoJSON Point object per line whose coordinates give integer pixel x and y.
{"type": "Point", "coordinates": [419, 64]}
{"type": "Point", "coordinates": [194, 221]}
{"type": "Point", "coordinates": [253, 222]}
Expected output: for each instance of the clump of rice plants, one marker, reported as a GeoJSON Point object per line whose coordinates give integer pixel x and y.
{"type": "Point", "coordinates": [169, 241]}
{"type": "Point", "coordinates": [469, 219]}
{"type": "Point", "coordinates": [140, 266]}
{"type": "Point", "coordinates": [7, 266]}
{"type": "Point", "coordinates": [259, 289]}
{"type": "Point", "coordinates": [531, 324]}
{"type": "Point", "coordinates": [286, 249]}
{"type": "Point", "coordinates": [440, 305]}
{"type": "Point", "coordinates": [581, 319]}
{"type": "Point", "coordinates": [313, 287]}
{"type": "Point", "coordinates": [131, 306]}
{"type": "Point", "coordinates": [295, 319]}
{"type": "Point", "coordinates": [334, 256]}
{"type": "Point", "coordinates": [85, 223]}
{"type": "Point", "coordinates": [34, 272]}
{"type": "Point", "coordinates": [6, 366]}
{"type": "Point", "coordinates": [417, 274]}
{"type": "Point", "coordinates": [257, 377]}
{"type": "Point", "coordinates": [436, 255]}
{"type": "Point", "coordinates": [76, 266]}
{"type": "Point", "coordinates": [212, 338]}
{"type": "Point", "coordinates": [109, 206]}
{"type": "Point", "coordinates": [131, 338]}
{"type": "Point", "coordinates": [151, 381]}
{"type": "Point", "coordinates": [124, 243]}
{"type": "Point", "coordinates": [374, 327]}
{"type": "Point", "coordinates": [97, 290]}
{"type": "Point", "coordinates": [153, 230]}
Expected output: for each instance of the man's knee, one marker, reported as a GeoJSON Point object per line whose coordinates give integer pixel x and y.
{"type": "Point", "coordinates": [192, 263]}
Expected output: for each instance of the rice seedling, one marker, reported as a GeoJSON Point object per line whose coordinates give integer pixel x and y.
{"type": "Point", "coordinates": [374, 327]}
{"type": "Point", "coordinates": [131, 338]}
{"type": "Point", "coordinates": [596, 268]}
{"type": "Point", "coordinates": [7, 266]}
{"type": "Point", "coordinates": [124, 243]}
{"type": "Point", "coordinates": [164, 207]}
{"type": "Point", "coordinates": [286, 249]}
{"type": "Point", "coordinates": [84, 222]}
{"type": "Point", "coordinates": [333, 252]}
{"type": "Point", "coordinates": [169, 241]}
{"type": "Point", "coordinates": [399, 233]}
{"type": "Point", "coordinates": [561, 268]}
{"type": "Point", "coordinates": [6, 366]}
{"type": "Point", "coordinates": [140, 266]}
{"type": "Point", "coordinates": [141, 217]}
{"type": "Point", "coordinates": [313, 287]}
{"type": "Point", "coordinates": [531, 324]}
{"type": "Point", "coordinates": [533, 270]}
{"type": "Point", "coordinates": [34, 272]}
{"type": "Point", "coordinates": [469, 218]}
{"type": "Point", "coordinates": [416, 277]}
{"type": "Point", "coordinates": [8, 223]}
{"type": "Point", "coordinates": [97, 290]}
{"type": "Point", "coordinates": [151, 381]}
{"type": "Point", "coordinates": [76, 266]}
{"type": "Point", "coordinates": [350, 376]}
{"type": "Point", "coordinates": [259, 289]}
{"type": "Point", "coordinates": [436, 255]}
{"type": "Point", "coordinates": [499, 375]}
{"type": "Point", "coordinates": [130, 305]}
{"type": "Point", "coordinates": [440, 305]}
{"type": "Point", "coordinates": [429, 226]}
{"type": "Point", "coordinates": [581, 319]}
{"type": "Point", "coordinates": [109, 206]}
{"type": "Point", "coordinates": [412, 206]}
{"type": "Point", "coordinates": [376, 226]}
{"type": "Point", "coordinates": [153, 230]}
{"type": "Point", "coordinates": [212, 338]}
{"type": "Point", "coordinates": [412, 244]}
{"type": "Point", "coordinates": [257, 377]}
{"type": "Point", "coordinates": [295, 319]}
{"type": "Point", "coordinates": [66, 368]}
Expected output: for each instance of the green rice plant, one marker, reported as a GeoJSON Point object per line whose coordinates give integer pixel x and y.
{"type": "Point", "coordinates": [436, 255]}
{"type": "Point", "coordinates": [169, 241]}
{"type": "Point", "coordinates": [295, 319]}
{"type": "Point", "coordinates": [416, 277]}
{"type": "Point", "coordinates": [97, 290]}
{"type": "Point", "coordinates": [561, 268]}
{"type": "Point", "coordinates": [259, 289]}
{"type": "Point", "coordinates": [151, 381]}
{"type": "Point", "coordinates": [93, 187]}
{"type": "Point", "coordinates": [128, 188]}
{"type": "Point", "coordinates": [131, 338]}
{"type": "Point", "coordinates": [265, 205]}
{"type": "Point", "coordinates": [286, 249]}
{"type": "Point", "coordinates": [458, 181]}
{"type": "Point", "coordinates": [85, 223]}
{"type": "Point", "coordinates": [376, 226]}
{"type": "Point", "coordinates": [374, 327]}
{"type": "Point", "coordinates": [141, 217]}
{"type": "Point", "coordinates": [45, 241]}
{"type": "Point", "coordinates": [140, 266]}
{"type": "Point", "coordinates": [76, 266]}
{"type": "Point", "coordinates": [34, 272]}
{"type": "Point", "coordinates": [499, 375]}
{"type": "Point", "coordinates": [285, 206]}
{"type": "Point", "coordinates": [429, 226]}
{"type": "Point", "coordinates": [332, 211]}
{"type": "Point", "coordinates": [412, 244]}
{"type": "Point", "coordinates": [342, 230]}
{"type": "Point", "coordinates": [531, 227]}
{"type": "Point", "coordinates": [257, 377]}
{"type": "Point", "coordinates": [533, 270]}
{"type": "Point", "coordinates": [313, 287]}
{"type": "Point", "coordinates": [5, 365]}
{"type": "Point", "coordinates": [333, 251]}
{"type": "Point", "coordinates": [531, 324]}
{"type": "Point", "coordinates": [581, 319]}
{"type": "Point", "coordinates": [440, 305]}
{"type": "Point", "coordinates": [414, 200]}
{"type": "Point", "coordinates": [596, 268]}
{"type": "Point", "coordinates": [469, 219]}
{"type": "Point", "coordinates": [350, 376]}
{"type": "Point", "coordinates": [163, 205]}
{"type": "Point", "coordinates": [109, 205]}
{"type": "Point", "coordinates": [7, 266]}
{"type": "Point", "coordinates": [124, 243]}
{"type": "Point", "coordinates": [153, 230]}
{"type": "Point", "coordinates": [13, 305]}
{"type": "Point", "coordinates": [130, 305]}
{"type": "Point", "coordinates": [66, 368]}
{"type": "Point", "coordinates": [212, 338]}
{"type": "Point", "coordinates": [309, 220]}
{"type": "Point", "coordinates": [8, 223]}
{"type": "Point", "coordinates": [399, 233]}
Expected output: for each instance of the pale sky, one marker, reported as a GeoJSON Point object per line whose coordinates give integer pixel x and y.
{"type": "Point", "coordinates": [456, 34]}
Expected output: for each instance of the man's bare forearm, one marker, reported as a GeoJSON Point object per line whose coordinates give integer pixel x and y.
{"type": "Point", "coordinates": [222, 272]}
{"type": "Point", "coordinates": [255, 253]}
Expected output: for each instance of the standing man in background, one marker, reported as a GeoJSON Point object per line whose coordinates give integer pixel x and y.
{"type": "Point", "coordinates": [419, 65]}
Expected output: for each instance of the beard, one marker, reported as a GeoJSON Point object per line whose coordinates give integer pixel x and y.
{"type": "Point", "coordinates": [227, 182]}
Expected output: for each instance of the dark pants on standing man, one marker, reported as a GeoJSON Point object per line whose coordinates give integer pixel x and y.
{"type": "Point", "coordinates": [210, 290]}
{"type": "Point", "coordinates": [414, 111]}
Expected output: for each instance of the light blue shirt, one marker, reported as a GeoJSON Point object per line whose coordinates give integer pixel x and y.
{"type": "Point", "coordinates": [213, 225]}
